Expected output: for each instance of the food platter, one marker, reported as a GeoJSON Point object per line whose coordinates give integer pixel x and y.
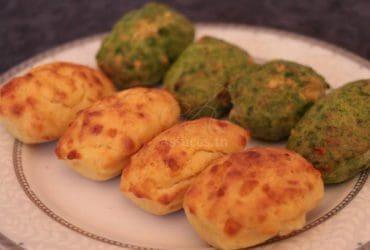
{"type": "Point", "coordinates": [45, 205]}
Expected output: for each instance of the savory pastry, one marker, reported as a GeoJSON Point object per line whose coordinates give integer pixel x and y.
{"type": "Point", "coordinates": [38, 106]}
{"type": "Point", "coordinates": [161, 171]}
{"type": "Point", "coordinates": [271, 99]}
{"type": "Point", "coordinates": [200, 76]}
{"type": "Point", "coordinates": [246, 198]}
{"type": "Point", "coordinates": [334, 135]}
{"type": "Point", "coordinates": [143, 44]}
{"type": "Point", "coordinates": [100, 140]}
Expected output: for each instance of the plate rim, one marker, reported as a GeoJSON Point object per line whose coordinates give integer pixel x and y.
{"type": "Point", "coordinates": [11, 72]}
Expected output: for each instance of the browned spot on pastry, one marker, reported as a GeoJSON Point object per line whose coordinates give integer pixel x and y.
{"type": "Point", "coordinates": [38, 83]}
{"type": "Point", "coordinates": [96, 129]}
{"type": "Point", "coordinates": [85, 121]}
{"type": "Point", "coordinates": [70, 141]}
{"type": "Point", "coordinates": [227, 164]}
{"type": "Point", "coordinates": [97, 80]}
{"type": "Point", "coordinates": [112, 132]}
{"type": "Point", "coordinates": [211, 195]}
{"type": "Point", "coordinates": [126, 170]}
{"type": "Point", "coordinates": [264, 204]}
{"type": "Point", "coordinates": [137, 192]}
{"type": "Point", "coordinates": [193, 191]}
{"type": "Point", "coordinates": [122, 112]}
{"type": "Point", "coordinates": [127, 163]}
{"type": "Point", "coordinates": [251, 174]}
{"type": "Point", "coordinates": [234, 173]}
{"type": "Point", "coordinates": [243, 140]}
{"type": "Point", "coordinates": [214, 169]}
{"type": "Point", "coordinates": [292, 182]}
{"type": "Point", "coordinates": [94, 113]}
{"type": "Point", "coordinates": [17, 109]}
{"type": "Point", "coordinates": [37, 126]}
{"type": "Point", "coordinates": [139, 106]}
{"type": "Point", "coordinates": [309, 185]}
{"type": "Point", "coordinates": [266, 188]}
{"type": "Point", "coordinates": [128, 144]}
{"type": "Point", "coordinates": [252, 154]}
{"type": "Point", "coordinates": [278, 196]}
{"type": "Point", "coordinates": [245, 157]}
{"type": "Point", "coordinates": [73, 154]}
{"type": "Point", "coordinates": [80, 112]}
{"type": "Point", "coordinates": [60, 94]}
{"type": "Point", "coordinates": [31, 101]}
{"type": "Point", "coordinates": [192, 210]}
{"type": "Point", "coordinates": [221, 191]}
{"type": "Point", "coordinates": [232, 227]}
{"type": "Point", "coordinates": [46, 137]}
{"type": "Point", "coordinates": [165, 199]}
{"type": "Point", "coordinates": [163, 147]}
{"type": "Point", "coordinates": [247, 187]}
{"type": "Point", "coordinates": [140, 114]}
{"type": "Point", "coordinates": [100, 94]}
{"type": "Point", "coordinates": [172, 164]}
{"type": "Point", "coordinates": [82, 75]}
{"type": "Point", "coordinates": [261, 217]}
{"type": "Point", "coordinates": [115, 104]}
{"type": "Point", "coordinates": [210, 183]}
{"type": "Point", "coordinates": [292, 192]}
{"type": "Point", "coordinates": [222, 124]}
{"type": "Point", "coordinates": [275, 156]}
{"type": "Point", "coordinates": [9, 87]}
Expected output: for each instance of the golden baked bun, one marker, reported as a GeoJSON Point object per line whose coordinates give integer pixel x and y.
{"type": "Point", "coordinates": [100, 140]}
{"type": "Point", "coordinates": [245, 198]}
{"type": "Point", "coordinates": [38, 106]}
{"type": "Point", "coordinates": [162, 170]}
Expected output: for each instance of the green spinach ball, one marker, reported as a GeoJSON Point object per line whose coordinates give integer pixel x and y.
{"type": "Point", "coordinates": [273, 97]}
{"type": "Point", "coordinates": [143, 44]}
{"type": "Point", "coordinates": [334, 135]}
{"type": "Point", "coordinates": [200, 77]}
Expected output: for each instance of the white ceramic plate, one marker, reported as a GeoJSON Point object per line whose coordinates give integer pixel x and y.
{"type": "Point", "coordinates": [44, 205]}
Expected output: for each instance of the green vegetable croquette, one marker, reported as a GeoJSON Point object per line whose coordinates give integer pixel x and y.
{"type": "Point", "coordinates": [143, 44]}
{"type": "Point", "coordinates": [271, 99]}
{"type": "Point", "coordinates": [335, 133]}
{"type": "Point", "coordinates": [200, 76]}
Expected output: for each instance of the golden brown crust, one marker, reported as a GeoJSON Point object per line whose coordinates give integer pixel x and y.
{"type": "Point", "coordinates": [39, 105]}
{"type": "Point", "coordinates": [245, 198]}
{"type": "Point", "coordinates": [103, 136]}
{"type": "Point", "coordinates": [160, 173]}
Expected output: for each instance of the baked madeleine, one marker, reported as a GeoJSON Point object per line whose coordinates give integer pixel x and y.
{"type": "Point", "coordinates": [38, 106]}
{"type": "Point", "coordinates": [159, 174]}
{"type": "Point", "coordinates": [246, 198]}
{"type": "Point", "coordinates": [101, 139]}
